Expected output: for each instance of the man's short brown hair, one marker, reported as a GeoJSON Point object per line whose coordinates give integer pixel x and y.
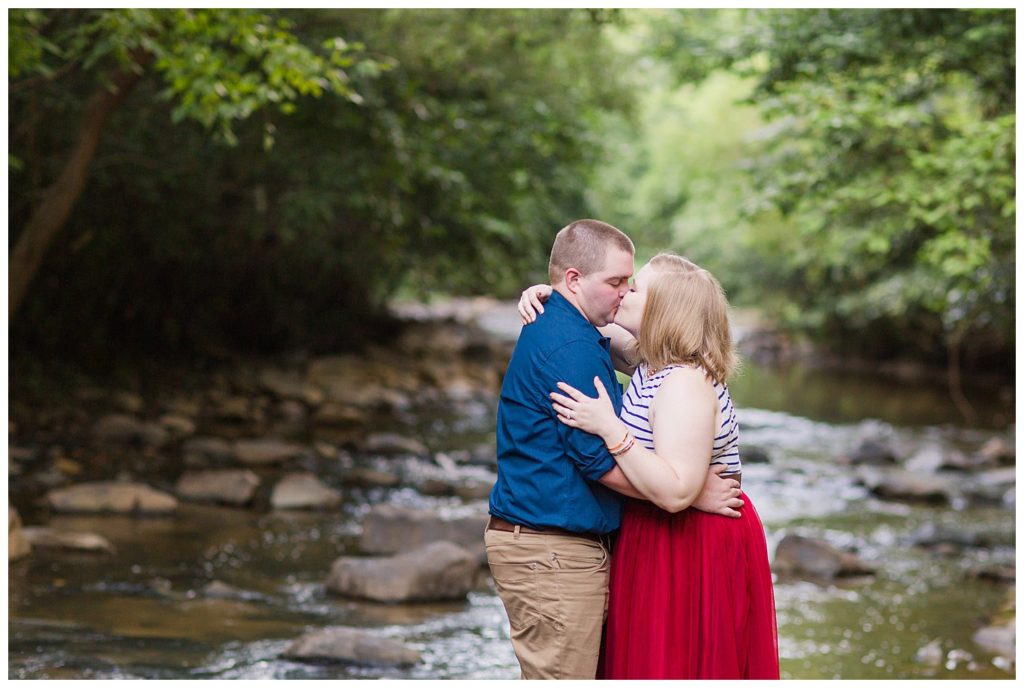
{"type": "Point", "coordinates": [583, 245]}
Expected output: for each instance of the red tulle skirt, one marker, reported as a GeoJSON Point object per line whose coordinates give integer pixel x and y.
{"type": "Point", "coordinates": [690, 597]}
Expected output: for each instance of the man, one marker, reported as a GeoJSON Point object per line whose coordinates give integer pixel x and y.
{"type": "Point", "coordinates": [557, 499]}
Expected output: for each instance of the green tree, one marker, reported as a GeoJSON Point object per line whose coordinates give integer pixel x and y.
{"type": "Point", "coordinates": [472, 141]}
{"type": "Point", "coordinates": [218, 66]}
{"type": "Point", "coordinates": [893, 157]}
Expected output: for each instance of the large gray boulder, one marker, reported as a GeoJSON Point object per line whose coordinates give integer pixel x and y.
{"type": "Point", "coordinates": [266, 451]}
{"type": "Point", "coordinates": [228, 486]}
{"type": "Point", "coordinates": [350, 646]}
{"type": "Point", "coordinates": [804, 557]}
{"type": "Point", "coordinates": [17, 545]}
{"type": "Point", "coordinates": [303, 491]}
{"type": "Point", "coordinates": [111, 497]}
{"type": "Point", "coordinates": [50, 538]}
{"type": "Point", "coordinates": [388, 529]}
{"type": "Point", "coordinates": [436, 571]}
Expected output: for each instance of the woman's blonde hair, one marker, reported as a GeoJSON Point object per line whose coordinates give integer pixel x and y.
{"type": "Point", "coordinates": [686, 319]}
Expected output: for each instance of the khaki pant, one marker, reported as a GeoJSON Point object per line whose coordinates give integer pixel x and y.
{"type": "Point", "coordinates": [555, 591]}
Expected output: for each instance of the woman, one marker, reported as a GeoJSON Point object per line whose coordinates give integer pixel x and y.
{"type": "Point", "coordinates": [691, 593]}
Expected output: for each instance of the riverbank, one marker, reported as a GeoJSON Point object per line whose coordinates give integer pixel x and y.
{"type": "Point", "coordinates": [241, 509]}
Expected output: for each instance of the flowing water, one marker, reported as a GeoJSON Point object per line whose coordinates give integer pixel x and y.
{"type": "Point", "coordinates": [141, 612]}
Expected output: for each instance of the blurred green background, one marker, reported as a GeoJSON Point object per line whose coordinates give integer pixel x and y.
{"type": "Point", "coordinates": [211, 182]}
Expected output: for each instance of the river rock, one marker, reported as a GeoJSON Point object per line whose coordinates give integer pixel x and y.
{"type": "Point", "coordinates": [228, 486]}
{"type": "Point", "coordinates": [802, 556]}
{"type": "Point", "coordinates": [900, 485]}
{"type": "Point", "coordinates": [473, 489]}
{"type": "Point", "coordinates": [333, 414]}
{"type": "Point", "coordinates": [871, 452]}
{"type": "Point", "coordinates": [202, 450]}
{"type": "Point", "coordinates": [326, 450]}
{"type": "Point", "coordinates": [17, 544]}
{"type": "Point", "coordinates": [177, 426]}
{"type": "Point", "coordinates": [991, 487]}
{"type": "Point", "coordinates": [50, 538]}
{"type": "Point", "coordinates": [20, 454]}
{"type": "Point", "coordinates": [435, 571]}
{"type": "Point", "coordinates": [350, 645]}
{"type": "Point", "coordinates": [998, 452]}
{"type": "Point", "coordinates": [129, 402]}
{"type": "Point", "coordinates": [930, 654]}
{"type": "Point", "coordinates": [220, 590]}
{"type": "Point", "coordinates": [122, 429]}
{"type": "Point", "coordinates": [1000, 639]}
{"type": "Point", "coordinates": [232, 409]}
{"type": "Point", "coordinates": [112, 497]}
{"type": "Point", "coordinates": [266, 451]}
{"type": "Point", "coordinates": [371, 396]}
{"type": "Point", "coordinates": [303, 491]}
{"type": "Point", "coordinates": [931, 535]}
{"type": "Point", "coordinates": [754, 454]}
{"type": "Point", "coordinates": [994, 573]}
{"type": "Point", "coordinates": [388, 529]}
{"type": "Point", "coordinates": [284, 385]}
{"type": "Point", "coordinates": [371, 477]}
{"type": "Point", "coordinates": [392, 443]}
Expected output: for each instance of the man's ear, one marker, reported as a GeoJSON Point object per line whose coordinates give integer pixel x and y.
{"type": "Point", "coordinates": [572, 280]}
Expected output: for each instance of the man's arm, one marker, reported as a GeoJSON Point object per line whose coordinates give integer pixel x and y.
{"type": "Point", "coordinates": [578, 363]}
{"type": "Point", "coordinates": [616, 480]}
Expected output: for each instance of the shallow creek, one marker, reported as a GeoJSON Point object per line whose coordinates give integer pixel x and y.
{"type": "Point", "coordinates": [140, 612]}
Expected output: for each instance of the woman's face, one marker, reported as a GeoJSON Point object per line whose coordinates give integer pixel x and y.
{"type": "Point", "coordinates": [631, 310]}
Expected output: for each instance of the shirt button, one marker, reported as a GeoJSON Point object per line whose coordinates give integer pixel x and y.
{"type": "Point", "coordinates": [533, 566]}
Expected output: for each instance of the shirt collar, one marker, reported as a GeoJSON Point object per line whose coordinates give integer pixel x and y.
{"type": "Point", "coordinates": [562, 304]}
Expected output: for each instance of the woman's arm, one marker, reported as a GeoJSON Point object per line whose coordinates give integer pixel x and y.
{"type": "Point", "coordinates": [683, 418]}
{"type": "Point", "coordinates": [531, 304]}
{"type": "Point", "coordinates": [623, 346]}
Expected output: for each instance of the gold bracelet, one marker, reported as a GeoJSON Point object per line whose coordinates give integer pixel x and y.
{"type": "Point", "coordinates": [620, 444]}
{"type": "Point", "coordinates": [629, 445]}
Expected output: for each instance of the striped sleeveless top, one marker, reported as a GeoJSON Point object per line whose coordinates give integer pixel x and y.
{"type": "Point", "coordinates": [636, 405]}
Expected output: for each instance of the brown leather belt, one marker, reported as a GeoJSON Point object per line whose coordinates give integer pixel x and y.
{"type": "Point", "coordinates": [501, 524]}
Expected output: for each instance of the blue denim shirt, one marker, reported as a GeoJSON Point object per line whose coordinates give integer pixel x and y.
{"type": "Point", "coordinates": [547, 471]}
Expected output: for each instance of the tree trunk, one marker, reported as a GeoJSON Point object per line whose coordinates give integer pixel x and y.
{"type": "Point", "coordinates": [53, 210]}
{"type": "Point", "coordinates": [956, 388]}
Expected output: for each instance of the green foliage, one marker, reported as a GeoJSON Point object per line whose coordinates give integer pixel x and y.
{"type": "Point", "coordinates": [218, 66]}
{"type": "Point", "coordinates": [467, 147]}
{"type": "Point", "coordinates": [894, 160]}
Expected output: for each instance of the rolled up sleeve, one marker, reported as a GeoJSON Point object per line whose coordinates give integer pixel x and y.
{"type": "Point", "coordinates": [577, 364]}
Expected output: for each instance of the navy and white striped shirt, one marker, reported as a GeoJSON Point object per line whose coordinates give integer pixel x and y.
{"type": "Point", "coordinates": [636, 406]}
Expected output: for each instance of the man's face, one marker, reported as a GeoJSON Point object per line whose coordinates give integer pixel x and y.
{"type": "Point", "coordinates": [601, 292]}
